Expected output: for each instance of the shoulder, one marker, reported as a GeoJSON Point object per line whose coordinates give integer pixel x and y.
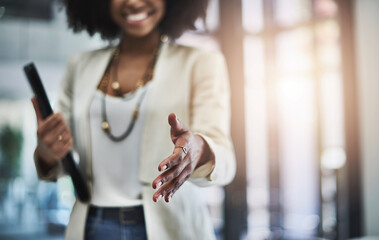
{"type": "Point", "coordinates": [83, 58]}
{"type": "Point", "coordinates": [198, 64]}
{"type": "Point", "coordinates": [193, 55]}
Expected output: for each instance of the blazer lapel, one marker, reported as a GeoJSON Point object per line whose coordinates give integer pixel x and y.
{"type": "Point", "coordinates": [96, 63]}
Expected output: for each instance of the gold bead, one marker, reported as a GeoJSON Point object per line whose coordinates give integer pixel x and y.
{"type": "Point", "coordinates": [139, 84]}
{"type": "Point", "coordinates": [135, 113]}
{"type": "Point", "coordinates": [164, 38]}
{"type": "Point", "coordinates": [105, 126]}
{"type": "Point", "coordinates": [116, 86]}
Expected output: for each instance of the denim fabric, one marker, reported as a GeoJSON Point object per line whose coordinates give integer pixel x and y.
{"type": "Point", "coordinates": [100, 229]}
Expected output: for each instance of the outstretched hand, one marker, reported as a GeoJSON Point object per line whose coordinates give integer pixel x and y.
{"type": "Point", "coordinates": [190, 151]}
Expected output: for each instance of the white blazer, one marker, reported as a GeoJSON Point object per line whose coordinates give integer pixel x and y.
{"type": "Point", "coordinates": [189, 82]}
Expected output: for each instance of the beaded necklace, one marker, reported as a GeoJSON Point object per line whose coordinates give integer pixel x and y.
{"type": "Point", "coordinates": [115, 86]}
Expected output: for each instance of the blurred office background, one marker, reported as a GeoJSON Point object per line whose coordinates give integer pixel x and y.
{"type": "Point", "coordinates": [304, 80]}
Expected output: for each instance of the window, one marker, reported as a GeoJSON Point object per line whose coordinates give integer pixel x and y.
{"type": "Point", "coordinates": [294, 117]}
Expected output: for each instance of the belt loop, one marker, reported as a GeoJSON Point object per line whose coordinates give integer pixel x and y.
{"type": "Point", "coordinates": [99, 213]}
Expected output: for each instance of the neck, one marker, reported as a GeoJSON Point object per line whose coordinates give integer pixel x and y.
{"type": "Point", "coordinates": [139, 45]}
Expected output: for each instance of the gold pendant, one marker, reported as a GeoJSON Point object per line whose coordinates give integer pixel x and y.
{"type": "Point", "coordinates": [116, 86]}
{"type": "Point", "coordinates": [164, 38]}
{"type": "Point", "coordinates": [105, 126]}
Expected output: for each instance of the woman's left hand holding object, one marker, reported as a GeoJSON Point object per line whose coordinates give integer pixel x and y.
{"type": "Point", "coordinates": [190, 152]}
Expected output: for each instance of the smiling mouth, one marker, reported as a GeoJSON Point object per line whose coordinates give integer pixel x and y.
{"type": "Point", "coordinates": [138, 17]}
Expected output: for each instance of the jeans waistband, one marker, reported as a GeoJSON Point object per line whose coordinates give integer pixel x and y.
{"type": "Point", "coordinates": [125, 215]}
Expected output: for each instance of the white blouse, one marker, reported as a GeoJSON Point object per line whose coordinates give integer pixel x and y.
{"type": "Point", "coordinates": [115, 165]}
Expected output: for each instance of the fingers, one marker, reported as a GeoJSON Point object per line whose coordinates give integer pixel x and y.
{"type": "Point", "coordinates": [170, 187]}
{"type": "Point", "coordinates": [54, 134]}
{"type": "Point", "coordinates": [50, 123]}
{"type": "Point", "coordinates": [37, 110]}
{"type": "Point", "coordinates": [177, 127]}
{"type": "Point", "coordinates": [173, 160]}
{"type": "Point", "coordinates": [171, 180]}
{"type": "Point", "coordinates": [176, 166]}
{"type": "Point", "coordinates": [62, 148]}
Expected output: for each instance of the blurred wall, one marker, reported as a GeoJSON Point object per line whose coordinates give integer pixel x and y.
{"type": "Point", "coordinates": [367, 40]}
{"type": "Point", "coordinates": [48, 43]}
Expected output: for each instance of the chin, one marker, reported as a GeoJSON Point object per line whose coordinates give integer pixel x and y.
{"type": "Point", "coordinates": [138, 33]}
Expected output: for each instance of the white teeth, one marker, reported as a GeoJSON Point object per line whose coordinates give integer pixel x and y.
{"type": "Point", "coordinates": [137, 17]}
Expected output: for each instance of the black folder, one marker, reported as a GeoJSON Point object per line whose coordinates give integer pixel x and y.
{"type": "Point", "coordinates": [68, 162]}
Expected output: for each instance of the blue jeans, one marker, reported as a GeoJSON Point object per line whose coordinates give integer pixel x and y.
{"type": "Point", "coordinates": [98, 228]}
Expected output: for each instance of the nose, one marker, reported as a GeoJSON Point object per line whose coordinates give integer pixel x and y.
{"type": "Point", "coordinates": [135, 3]}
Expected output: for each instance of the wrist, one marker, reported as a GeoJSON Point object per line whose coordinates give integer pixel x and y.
{"type": "Point", "coordinates": [206, 154]}
{"type": "Point", "coordinates": [45, 160]}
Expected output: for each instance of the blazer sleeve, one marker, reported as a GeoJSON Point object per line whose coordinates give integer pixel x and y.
{"type": "Point", "coordinates": [63, 105]}
{"type": "Point", "coordinates": [210, 118]}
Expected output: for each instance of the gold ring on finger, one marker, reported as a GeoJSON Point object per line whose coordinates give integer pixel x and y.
{"type": "Point", "coordinates": [60, 138]}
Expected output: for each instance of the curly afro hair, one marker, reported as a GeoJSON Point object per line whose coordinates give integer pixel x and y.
{"type": "Point", "coordinates": [94, 17]}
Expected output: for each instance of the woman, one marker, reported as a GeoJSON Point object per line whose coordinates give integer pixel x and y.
{"type": "Point", "coordinates": [113, 108]}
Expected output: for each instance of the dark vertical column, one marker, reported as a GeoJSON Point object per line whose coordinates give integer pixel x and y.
{"type": "Point", "coordinates": [276, 215]}
{"type": "Point", "coordinates": [353, 161]}
{"type": "Point", "coordinates": [231, 38]}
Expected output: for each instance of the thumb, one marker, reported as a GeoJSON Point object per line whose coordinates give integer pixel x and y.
{"type": "Point", "coordinates": [37, 110]}
{"type": "Point", "coordinates": [177, 127]}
